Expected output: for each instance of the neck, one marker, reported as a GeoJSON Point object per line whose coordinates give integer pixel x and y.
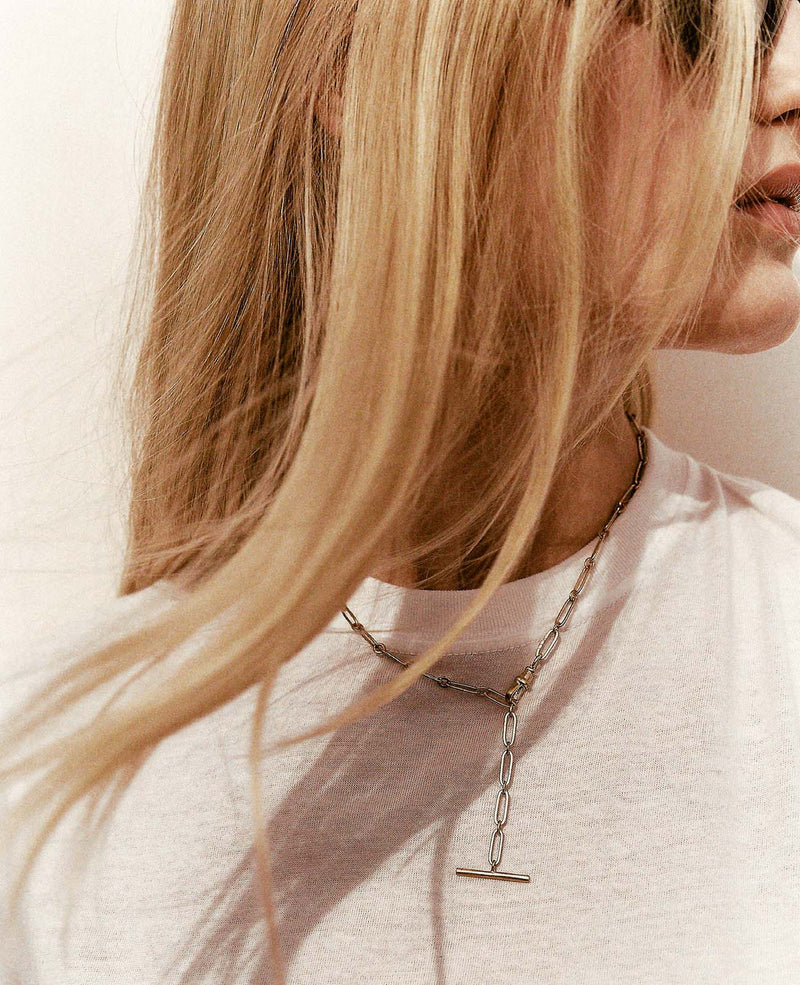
{"type": "Point", "coordinates": [580, 501]}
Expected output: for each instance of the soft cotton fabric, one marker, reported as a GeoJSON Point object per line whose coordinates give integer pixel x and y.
{"type": "Point", "coordinates": [655, 795]}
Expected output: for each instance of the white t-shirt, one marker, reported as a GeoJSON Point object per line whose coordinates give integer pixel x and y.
{"type": "Point", "coordinates": [654, 799]}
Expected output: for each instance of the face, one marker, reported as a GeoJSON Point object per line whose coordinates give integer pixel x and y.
{"type": "Point", "coordinates": [759, 307]}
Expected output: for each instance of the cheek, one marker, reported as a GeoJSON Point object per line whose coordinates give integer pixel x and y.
{"type": "Point", "coordinates": [625, 152]}
{"type": "Point", "coordinates": [639, 168]}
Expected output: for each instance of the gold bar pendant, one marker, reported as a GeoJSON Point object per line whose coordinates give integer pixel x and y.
{"type": "Point", "coordinates": [488, 874]}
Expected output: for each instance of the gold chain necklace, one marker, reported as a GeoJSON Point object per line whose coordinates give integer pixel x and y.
{"type": "Point", "coordinates": [522, 683]}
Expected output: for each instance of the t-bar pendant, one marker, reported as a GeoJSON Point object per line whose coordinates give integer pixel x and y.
{"type": "Point", "coordinates": [492, 874]}
{"type": "Point", "coordinates": [501, 809]}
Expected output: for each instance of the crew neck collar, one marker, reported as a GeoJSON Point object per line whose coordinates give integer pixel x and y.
{"type": "Point", "coordinates": [521, 611]}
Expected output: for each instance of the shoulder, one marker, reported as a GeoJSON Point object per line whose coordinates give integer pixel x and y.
{"type": "Point", "coordinates": [750, 504]}
{"type": "Point", "coordinates": [709, 503]}
{"type": "Point", "coordinates": [753, 531]}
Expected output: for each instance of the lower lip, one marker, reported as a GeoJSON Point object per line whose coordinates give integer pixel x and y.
{"type": "Point", "coordinates": [779, 217]}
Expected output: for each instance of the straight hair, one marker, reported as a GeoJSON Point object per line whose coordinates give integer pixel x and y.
{"type": "Point", "coordinates": [343, 288]}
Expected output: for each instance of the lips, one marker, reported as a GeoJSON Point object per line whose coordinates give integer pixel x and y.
{"type": "Point", "coordinates": [779, 219]}
{"type": "Point", "coordinates": [780, 185]}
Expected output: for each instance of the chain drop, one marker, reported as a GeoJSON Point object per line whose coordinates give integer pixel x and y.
{"type": "Point", "coordinates": [522, 683]}
{"type": "Point", "coordinates": [503, 801]}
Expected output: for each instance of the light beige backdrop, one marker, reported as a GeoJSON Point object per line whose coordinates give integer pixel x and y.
{"type": "Point", "coordinates": [79, 92]}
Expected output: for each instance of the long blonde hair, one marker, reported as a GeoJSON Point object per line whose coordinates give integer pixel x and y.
{"type": "Point", "coordinates": [334, 316]}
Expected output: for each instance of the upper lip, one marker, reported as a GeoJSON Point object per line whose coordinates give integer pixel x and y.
{"type": "Point", "coordinates": [780, 185]}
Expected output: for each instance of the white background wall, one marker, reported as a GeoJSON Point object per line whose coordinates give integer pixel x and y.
{"type": "Point", "coordinates": [79, 83]}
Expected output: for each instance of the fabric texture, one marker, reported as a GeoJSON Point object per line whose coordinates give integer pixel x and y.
{"type": "Point", "coordinates": [654, 800]}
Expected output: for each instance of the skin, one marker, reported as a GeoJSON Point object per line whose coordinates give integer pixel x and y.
{"type": "Point", "coordinates": [756, 310]}
{"type": "Point", "coordinates": [761, 307]}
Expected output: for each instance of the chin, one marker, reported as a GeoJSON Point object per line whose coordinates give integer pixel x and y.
{"type": "Point", "coordinates": [759, 312]}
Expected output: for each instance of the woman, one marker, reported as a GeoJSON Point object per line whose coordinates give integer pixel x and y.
{"type": "Point", "coordinates": [409, 262]}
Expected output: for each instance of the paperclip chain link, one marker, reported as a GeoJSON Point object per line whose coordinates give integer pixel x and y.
{"type": "Point", "coordinates": [544, 650]}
